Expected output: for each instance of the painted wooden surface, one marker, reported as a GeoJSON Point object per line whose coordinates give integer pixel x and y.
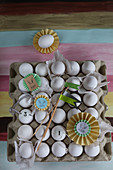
{"type": "Point", "coordinates": [81, 20]}
{"type": "Point", "coordinates": [54, 7]}
{"type": "Point", "coordinates": [24, 38]}
{"type": "Point", "coordinates": [70, 51]}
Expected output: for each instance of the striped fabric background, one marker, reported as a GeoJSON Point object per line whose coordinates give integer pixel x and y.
{"type": "Point", "coordinates": [85, 30]}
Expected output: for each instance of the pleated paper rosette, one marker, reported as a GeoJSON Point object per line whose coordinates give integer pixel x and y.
{"type": "Point", "coordinates": [52, 46]}
{"type": "Point", "coordinates": [83, 128]}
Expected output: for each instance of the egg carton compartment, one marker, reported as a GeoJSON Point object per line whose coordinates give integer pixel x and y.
{"type": "Point", "coordinates": [14, 92]}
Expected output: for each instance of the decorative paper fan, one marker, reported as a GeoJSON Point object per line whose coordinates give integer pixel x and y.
{"type": "Point", "coordinates": [46, 41]}
{"type": "Point", "coordinates": [83, 128]}
{"type": "Point", "coordinates": [41, 102]}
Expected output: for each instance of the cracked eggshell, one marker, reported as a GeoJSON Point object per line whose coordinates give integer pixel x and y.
{"type": "Point", "coordinates": [92, 151]}
{"type": "Point", "coordinates": [41, 69]}
{"type": "Point", "coordinates": [21, 86]}
{"type": "Point", "coordinates": [75, 150]}
{"type": "Point", "coordinates": [43, 151]}
{"type": "Point", "coordinates": [25, 69]}
{"type": "Point", "coordinates": [92, 111]}
{"type": "Point", "coordinates": [88, 67]}
{"type": "Point", "coordinates": [77, 97]}
{"type": "Point", "coordinates": [58, 68]}
{"type": "Point", "coordinates": [73, 80]}
{"type": "Point", "coordinates": [55, 98]}
{"type": "Point", "coordinates": [26, 150]}
{"type": "Point", "coordinates": [25, 102]}
{"type": "Point", "coordinates": [72, 112]}
{"type": "Point", "coordinates": [46, 41]}
{"type": "Point", "coordinates": [40, 133]}
{"type": "Point", "coordinates": [90, 99]}
{"type": "Point", "coordinates": [58, 133]}
{"type": "Point", "coordinates": [25, 132]}
{"type": "Point", "coordinates": [90, 83]}
{"type": "Point", "coordinates": [59, 116]}
{"type": "Point", "coordinates": [25, 116]}
{"type": "Point", "coordinates": [59, 149]}
{"type": "Point", "coordinates": [57, 84]}
{"type": "Point", "coordinates": [75, 68]}
{"type": "Point", "coordinates": [40, 115]}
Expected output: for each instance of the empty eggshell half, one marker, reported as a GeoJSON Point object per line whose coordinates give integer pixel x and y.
{"type": "Point", "coordinates": [75, 150]}
{"type": "Point", "coordinates": [21, 86]}
{"type": "Point", "coordinates": [90, 83]}
{"type": "Point", "coordinates": [25, 102]}
{"type": "Point", "coordinates": [59, 116]}
{"type": "Point", "coordinates": [90, 99]}
{"type": "Point", "coordinates": [88, 67]}
{"type": "Point", "coordinates": [40, 115]}
{"type": "Point", "coordinates": [41, 69]}
{"type": "Point", "coordinates": [92, 151]}
{"type": "Point", "coordinates": [72, 112]}
{"type": "Point", "coordinates": [57, 84]}
{"type": "Point", "coordinates": [92, 111]}
{"type": "Point", "coordinates": [59, 149]}
{"type": "Point", "coordinates": [43, 151]}
{"type": "Point", "coordinates": [26, 150]}
{"type": "Point", "coordinates": [25, 132]}
{"type": "Point", "coordinates": [46, 41]}
{"type": "Point", "coordinates": [58, 68]}
{"type": "Point", "coordinates": [40, 133]}
{"type": "Point", "coordinates": [75, 68]}
{"type": "Point", "coordinates": [25, 69]}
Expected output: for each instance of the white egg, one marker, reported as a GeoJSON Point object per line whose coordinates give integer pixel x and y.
{"type": "Point", "coordinates": [75, 68]}
{"type": "Point", "coordinates": [59, 116]}
{"type": "Point", "coordinates": [59, 149]}
{"type": "Point", "coordinates": [92, 151]}
{"type": "Point", "coordinates": [21, 86]}
{"type": "Point", "coordinates": [44, 81]}
{"type": "Point", "coordinates": [26, 150]}
{"type": "Point", "coordinates": [58, 68]}
{"type": "Point", "coordinates": [41, 69]}
{"type": "Point", "coordinates": [77, 97]}
{"type": "Point", "coordinates": [40, 133]}
{"type": "Point", "coordinates": [88, 67]}
{"type": "Point", "coordinates": [42, 93]}
{"type": "Point", "coordinates": [25, 116]}
{"type": "Point", "coordinates": [46, 41]}
{"type": "Point", "coordinates": [57, 84]}
{"type": "Point", "coordinates": [75, 150]}
{"type": "Point", "coordinates": [25, 102]}
{"type": "Point", "coordinates": [40, 115]}
{"type": "Point", "coordinates": [55, 98]}
{"type": "Point", "coordinates": [58, 133]}
{"type": "Point", "coordinates": [90, 83]}
{"type": "Point", "coordinates": [25, 132]}
{"type": "Point", "coordinates": [73, 80]}
{"type": "Point", "coordinates": [90, 99]}
{"type": "Point", "coordinates": [25, 69]}
{"type": "Point", "coordinates": [72, 112]}
{"type": "Point", "coordinates": [92, 111]}
{"type": "Point", "coordinates": [43, 151]}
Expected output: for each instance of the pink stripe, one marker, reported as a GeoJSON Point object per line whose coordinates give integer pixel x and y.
{"type": "Point", "coordinates": [70, 51]}
{"type": "Point", "coordinates": [4, 83]}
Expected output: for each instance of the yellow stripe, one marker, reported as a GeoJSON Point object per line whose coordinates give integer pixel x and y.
{"type": "Point", "coordinates": [82, 20]}
{"type": "Point", "coordinates": [6, 102]}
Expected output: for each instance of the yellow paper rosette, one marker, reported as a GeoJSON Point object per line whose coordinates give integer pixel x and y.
{"type": "Point", "coordinates": [83, 128]}
{"type": "Point", "coordinates": [52, 46]}
{"type": "Point", "coordinates": [41, 102]}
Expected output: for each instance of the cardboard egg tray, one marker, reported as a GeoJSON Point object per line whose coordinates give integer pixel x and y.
{"type": "Point", "coordinates": [14, 92]}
